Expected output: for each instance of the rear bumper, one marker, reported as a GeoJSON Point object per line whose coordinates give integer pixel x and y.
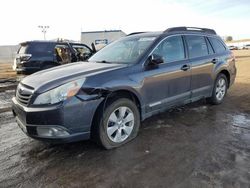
{"type": "Point", "coordinates": [74, 117]}
{"type": "Point", "coordinates": [232, 79]}
{"type": "Point", "coordinates": [27, 70]}
{"type": "Point", "coordinates": [233, 76]}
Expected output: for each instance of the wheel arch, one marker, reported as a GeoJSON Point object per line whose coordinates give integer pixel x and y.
{"type": "Point", "coordinates": [227, 74]}
{"type": "Point", "coordinates": [113, 95]}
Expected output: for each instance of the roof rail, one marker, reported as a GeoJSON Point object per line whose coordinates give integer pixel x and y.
{"type": "Point", "coordinates": [196, 29]}
{"type": "Point", "coordinates": [135, 33]}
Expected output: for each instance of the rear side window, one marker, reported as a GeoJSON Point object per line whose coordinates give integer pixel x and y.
{"type": "Point", "coordinates": [171, 49]}
{"type": "Point", "coordinates": [197, 46]}
{"type": "Point", "coordinates": [210, 49]}
{"type": "Point", "coordinates": [39, 48]}
{"type": "Point", "coordinates": [217, 45]}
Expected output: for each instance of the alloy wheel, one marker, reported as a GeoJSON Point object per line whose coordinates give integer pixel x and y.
{"type": "Point", "coordinates": [220, 89]}
{"type": "Point", "coordinates": [120, 124]}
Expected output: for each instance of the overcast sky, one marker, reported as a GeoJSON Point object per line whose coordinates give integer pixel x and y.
{"type": "Point", "coordinates": [67, 18]}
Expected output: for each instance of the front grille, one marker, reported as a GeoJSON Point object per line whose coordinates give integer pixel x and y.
{"type": "Point", "coordinates": [24, 94]}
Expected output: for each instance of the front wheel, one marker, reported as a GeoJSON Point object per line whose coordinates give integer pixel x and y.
{"type": "Point", "coordinates": [219, 90]}
{"type": "Point", "coordinates": [118, 124]}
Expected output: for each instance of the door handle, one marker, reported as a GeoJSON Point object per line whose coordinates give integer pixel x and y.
{"type": "Point", "coordinates": [185, 67]}
{"type": "Point", "coordinates": [214, 61]}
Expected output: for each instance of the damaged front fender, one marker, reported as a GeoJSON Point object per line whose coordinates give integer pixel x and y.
{"type": "Point", "coordinates": [89, 93]}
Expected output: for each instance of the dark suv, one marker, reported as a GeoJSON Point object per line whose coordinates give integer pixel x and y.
{"type": "Point", "coordinates": [34, 56]}
{"type": "Point", "coordinates": [127, 81]}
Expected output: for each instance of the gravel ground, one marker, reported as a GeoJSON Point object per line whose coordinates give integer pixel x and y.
{"type": "Point", "coordinates": [198, 145]}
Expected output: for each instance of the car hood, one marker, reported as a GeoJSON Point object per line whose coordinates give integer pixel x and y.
{"type": "Point", "coordinates": [48, 79]}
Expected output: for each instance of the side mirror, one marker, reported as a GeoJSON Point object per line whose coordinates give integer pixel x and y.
{"type": "Point", "coordinates": [154, 60]}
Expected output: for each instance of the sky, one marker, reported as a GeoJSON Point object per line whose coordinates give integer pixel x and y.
{"type": "Point", "coordinates": [67, 18]}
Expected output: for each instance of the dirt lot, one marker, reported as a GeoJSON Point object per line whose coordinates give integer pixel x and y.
{"type": "Point", "coordinates": [6, 71]}
{"type": "Point", "coordinates": [198, 145]}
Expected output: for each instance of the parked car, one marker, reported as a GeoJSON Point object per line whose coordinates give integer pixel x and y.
{"type": "Point", "coordinates": [233, 47]}
{"type": "Point", "coordinates": [246, 47]}
{"type": "Point", "coordinates": [34, 56]}
{"type": "Point", "coordinates": [126, 82]}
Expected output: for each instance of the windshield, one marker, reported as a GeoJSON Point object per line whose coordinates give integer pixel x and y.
{"type": "Point", "coordinates": [126, 51]}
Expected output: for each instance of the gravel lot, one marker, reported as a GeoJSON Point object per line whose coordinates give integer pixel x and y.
{"type": "Point", "coordinates": [198, 145]}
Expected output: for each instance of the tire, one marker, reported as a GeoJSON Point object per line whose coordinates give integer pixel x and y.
{"type": "Point", "coordinates": [110, 120]}
{"type": "Point", "coordinates": [219, 90]}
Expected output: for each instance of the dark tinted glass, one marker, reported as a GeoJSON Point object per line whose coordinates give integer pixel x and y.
{"type": "Point", "coordinates": [171, 49]}
{"type": "Point", "coordinates": [217, 45]}
{"type": "Point", "coordinates": [197, 46]}
{"type": "Point", "coordinates": [39, 48]}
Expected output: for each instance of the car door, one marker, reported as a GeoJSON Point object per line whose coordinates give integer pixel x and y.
{"type": "Point", "coordinates": [62, 54]}
{"type": "Point", "coordinates": [202, 62]}
{"type": "Point", "coordinates": [168, 83]}
{"type": "Point", "coordinates": [82, 52]}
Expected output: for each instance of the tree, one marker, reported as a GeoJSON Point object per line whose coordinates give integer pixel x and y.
{"type": "Point", "coordinates": [229, 38]}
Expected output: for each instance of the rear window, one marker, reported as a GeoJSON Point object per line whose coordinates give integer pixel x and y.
{"type": "Point", "coordinates": [197, 46]}
{"type": "Point", "coordinates": [217, 45]}
{"type": "Point", "coordinates": [22, 49]}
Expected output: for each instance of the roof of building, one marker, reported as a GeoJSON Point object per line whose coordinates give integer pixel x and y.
{"type": "Point", "coordinates": [105, 31]}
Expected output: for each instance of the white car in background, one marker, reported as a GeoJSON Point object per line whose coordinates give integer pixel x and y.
{"type": "Point", "coordinates": [246, 47]}
{"type": "Point", "coordinates": [232, 47]}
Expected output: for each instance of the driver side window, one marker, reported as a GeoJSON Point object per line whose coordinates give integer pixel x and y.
{"type": "Point", "coordinates": [171, 49]}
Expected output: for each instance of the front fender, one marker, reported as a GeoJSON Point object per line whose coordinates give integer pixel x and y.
{"type": "Point", "coordinates": [125, 85]}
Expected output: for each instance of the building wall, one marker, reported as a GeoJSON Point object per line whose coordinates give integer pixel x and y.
{"type": "Point", "coordinates": [101, 38]}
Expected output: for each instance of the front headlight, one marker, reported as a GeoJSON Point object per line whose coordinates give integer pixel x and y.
{"type": "Point", "coordinates": [60, 93]}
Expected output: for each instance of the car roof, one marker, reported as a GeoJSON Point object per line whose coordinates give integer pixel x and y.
{"type": "Point", "coordinates": [51, 42]}
{"type": "Point", "coordinates": [144, 34]}
{"type": "Point", "coordinates": [174, 31]}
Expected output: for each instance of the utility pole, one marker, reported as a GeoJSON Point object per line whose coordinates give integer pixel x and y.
{"type": "Point", "coordinates": [44, 30]}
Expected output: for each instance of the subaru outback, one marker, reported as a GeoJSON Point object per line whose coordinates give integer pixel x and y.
{"type": "Point", "coordinates": [126, 82]}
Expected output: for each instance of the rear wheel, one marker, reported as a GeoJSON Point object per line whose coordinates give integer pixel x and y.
{"type": "Point", "coordinates": [219, 90]}
{"type": "Point", "coordinates": [118, 124]}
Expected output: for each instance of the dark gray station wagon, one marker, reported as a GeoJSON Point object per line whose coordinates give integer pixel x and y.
{"type": "Point", "coordinates": [129, 80]}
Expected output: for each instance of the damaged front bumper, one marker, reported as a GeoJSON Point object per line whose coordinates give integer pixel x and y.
{"type": "Point", "coordinates": [64, 122]}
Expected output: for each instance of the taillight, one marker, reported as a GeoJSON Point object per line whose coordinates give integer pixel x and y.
{"type": "Point", "coordinates": [232, 56]}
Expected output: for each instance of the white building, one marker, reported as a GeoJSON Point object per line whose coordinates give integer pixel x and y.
{"type": "Point", "coordinates": [101, 38]}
